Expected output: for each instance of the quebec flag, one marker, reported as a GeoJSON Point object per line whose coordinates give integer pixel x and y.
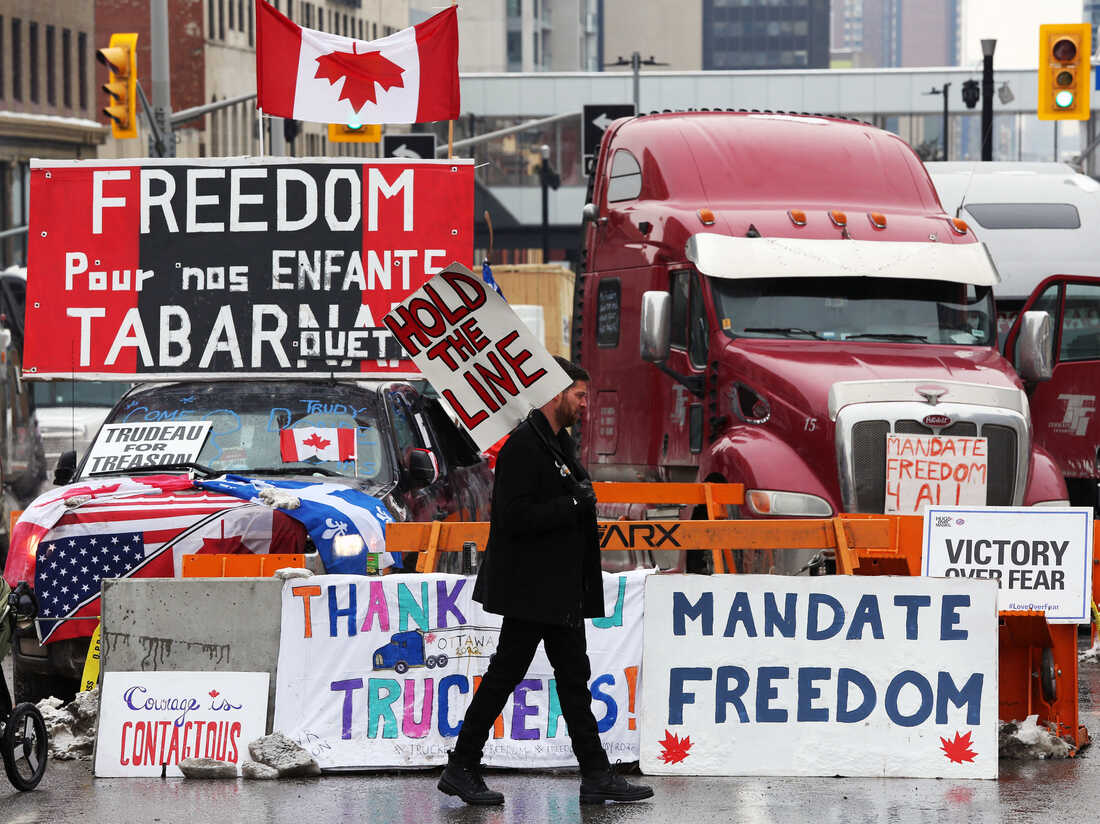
{"type": "Point", "coordinates": [333, 515]}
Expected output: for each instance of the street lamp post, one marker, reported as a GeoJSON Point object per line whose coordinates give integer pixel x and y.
{"type": "Point", "coordinates": [635, 62]}
{"type": "Point", "coordinates": [943, 90]}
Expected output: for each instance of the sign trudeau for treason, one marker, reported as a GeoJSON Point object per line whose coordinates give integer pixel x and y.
{"type": "Point", "coordinates": [180, 268]}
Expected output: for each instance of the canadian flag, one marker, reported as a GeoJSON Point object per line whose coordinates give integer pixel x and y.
{"type": "Point", "coordinates": [324, 444]}
{"type": "Point", "coordinates": [407, 77]}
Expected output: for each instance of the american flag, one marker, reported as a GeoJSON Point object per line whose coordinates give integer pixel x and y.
{"type": "Point", "coordinates": [142, 536]}
{"type": "Point", "coordinates": [68, 571]}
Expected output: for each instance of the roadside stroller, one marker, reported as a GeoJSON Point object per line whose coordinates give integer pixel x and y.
{"type": "Point", "coordinates": [23, 740]}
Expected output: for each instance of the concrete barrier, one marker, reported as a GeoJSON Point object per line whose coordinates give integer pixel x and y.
{"type": "Point", "coordinates": [203, 624]}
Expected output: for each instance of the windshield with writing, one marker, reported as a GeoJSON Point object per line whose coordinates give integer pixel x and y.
{"type": "Point", "coordinates": [247, 417]}
{"type": "Point", "coordinates": [855, 308]}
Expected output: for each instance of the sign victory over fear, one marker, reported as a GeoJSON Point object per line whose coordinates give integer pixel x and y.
{"type": "Point", "coordinates": [272, 266]}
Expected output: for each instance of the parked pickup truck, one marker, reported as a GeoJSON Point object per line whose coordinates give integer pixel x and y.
{"type": "Point", "coordinates": [409, 454]}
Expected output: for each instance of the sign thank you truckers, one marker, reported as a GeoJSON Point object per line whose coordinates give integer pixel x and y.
{"type": "Point", "coordinates": [476, 352]}
{"type": "Point", "coordinates": [179, 268]}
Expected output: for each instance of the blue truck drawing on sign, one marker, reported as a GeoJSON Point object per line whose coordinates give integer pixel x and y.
{"type": "Point", "coordinates": [435, 648]}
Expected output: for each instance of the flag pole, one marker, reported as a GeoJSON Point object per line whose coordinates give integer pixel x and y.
{"type": "Point", "coordinates": [260, 128]}
{"type": "Point", "coordinates": [451, 124]}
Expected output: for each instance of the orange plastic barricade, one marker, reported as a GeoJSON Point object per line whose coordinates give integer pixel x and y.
{"type": "Point", "coordinates": [239, 566]}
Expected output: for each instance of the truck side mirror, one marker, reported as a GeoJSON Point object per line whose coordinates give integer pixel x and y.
{"type": "Point", "coordinates": [656, 310]}
{"type": "Point", "coordinates": [589, 213]}
{"type": "Point", "coordinates": [1035, 347]}
{"type": "Point", "coordinates": [422, 467]}
{"type": "Point", "coordinates": [66, 468]}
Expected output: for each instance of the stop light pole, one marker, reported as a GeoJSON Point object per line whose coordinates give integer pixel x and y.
{"type": "Point", "coordinates": [988, 46]}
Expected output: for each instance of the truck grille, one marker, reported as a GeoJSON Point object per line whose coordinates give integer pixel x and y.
{"type": "Point", "coordinates": [861, 448]}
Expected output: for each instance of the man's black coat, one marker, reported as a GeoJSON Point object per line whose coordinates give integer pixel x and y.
{"type": "Point", "coordinates": [542, 561]}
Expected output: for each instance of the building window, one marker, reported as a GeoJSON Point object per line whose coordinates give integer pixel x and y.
{"type": "Point", "coordinates": [82, 69]}
{"type": "Point", "coordinates": [240, 15]}
{"type": "Point", "coordinates": [51, 71]}
{"type": "Point", "coordinates": [231, 4]}
{"type": "Point", "coordinates": [251, 32]}
{"type": "Point", "coordinates": [67, 68]}
{"type": "Point", "coordinates": [17, 59]}
{"type": "Point", "coordinates": [2, 44]}
{"type": "Point", "coordinates": [221, 19]}
{"type": "Point", "coordinates": [32, 33]}
{"type": "Point", "coordinates": [210, 19]}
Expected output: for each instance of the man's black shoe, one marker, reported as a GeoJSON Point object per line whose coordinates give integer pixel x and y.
{"type": "Point", "coordinates": [608, 785]}
{"type": "Point", "coordinates": [467, 784]}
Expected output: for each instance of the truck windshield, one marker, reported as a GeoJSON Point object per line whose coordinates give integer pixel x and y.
{"type": "Point", "coordinates": [246, 419]}
{"type": "Point", "coordinates": [856, 308]}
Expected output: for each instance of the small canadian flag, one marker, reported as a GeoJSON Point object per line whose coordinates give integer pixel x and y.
{"type": "Point", "coordinates": [317, 443]}
{"type": "Point", "coordinates": [410, 76]}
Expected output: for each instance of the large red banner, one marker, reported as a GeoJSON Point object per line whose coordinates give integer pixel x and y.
{"type": "Point", "coordinates": [184, 268]}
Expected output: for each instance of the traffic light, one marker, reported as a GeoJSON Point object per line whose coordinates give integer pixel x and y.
{"type": "Point", "coordinates": [971, 93]}
{"type": "Point", "coordinates": [354, 133]}
{"type": "Point", "coordinates": [1065, 50]}
{"type": "Point", "coordinates": [121, 58]}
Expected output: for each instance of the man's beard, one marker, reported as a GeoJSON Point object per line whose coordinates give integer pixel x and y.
{"type": "Point", "coordinates": [566, 414]}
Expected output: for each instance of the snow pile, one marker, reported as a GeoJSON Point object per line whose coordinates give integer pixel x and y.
{"type": "Point", "coordinates": [287, 573]}
{"type": "Point", "coordinates": [278, 498]}
{"type": "Point", "coordinates": [1092, 654]}
{"type": "Point", "coordinates": [71, 727]}
{"type": "Point", "coordinates": [1020, 740]}
{"type": "Point", "coordinates": [283, 755]}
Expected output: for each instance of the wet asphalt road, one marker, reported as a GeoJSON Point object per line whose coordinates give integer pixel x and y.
{"type": "Point", "coordinates": [1033, 791]}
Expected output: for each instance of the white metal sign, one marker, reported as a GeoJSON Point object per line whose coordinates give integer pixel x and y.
{"type": "Point", "coordinates": [475, 351]}
{"type": "Point", "coordinates": [133, 445]}
{"type": "Point", "coordinates": [933, 470]}
{"type": "Point", "coordinates": [843, 675]}
{"type": "Point", "coordinates": [149, 721]}
{"type": "Point", "coordinates": [1040, 557]}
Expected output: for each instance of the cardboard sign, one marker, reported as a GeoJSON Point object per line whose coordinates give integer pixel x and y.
{"type": "Point", "coordinates": [934, 470]}
{"type": "Point", "coordinates": [841, 675]}
{"type": "Point", "coordinates": [1040, 557]}
{"type": "Point", "coordinates": [475, 351]}
{"type": "Point", "coordinates": [379, 673]}
{"type": "Point", "coordinates": [178, 268]}
{"type": "Point", "coordinates": [150, 720]}
{"type": "Point", "coordinates": [130, 445]}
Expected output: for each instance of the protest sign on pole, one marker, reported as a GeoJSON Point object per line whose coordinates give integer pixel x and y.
{"type": "Point", "coordinates": [178, 268]}
{"type": "Point", "coordinates": [840, 675]}
{"type": "Point", "coordinates": [130, 445]}
{"type": "Point", "coordinates": [379, 673]}
{"type": "Point", "coordinates": [476, 352]}
{"type": "Point", "coordinates": [1040, 557]}
{"type": "Point", "coordinates": [934, 470]}
{"type": "Point", "coordinates": [150, 721]}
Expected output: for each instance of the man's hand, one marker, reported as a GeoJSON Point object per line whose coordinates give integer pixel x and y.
{"type": "Point", "coordinates": [585, 495]}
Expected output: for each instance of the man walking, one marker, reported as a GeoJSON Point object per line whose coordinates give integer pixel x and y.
{"type": "Point", "coordinates": [543, 528]}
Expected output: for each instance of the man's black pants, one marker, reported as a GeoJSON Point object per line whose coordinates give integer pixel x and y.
{"type": "Point", "coordinates": [566, 648]}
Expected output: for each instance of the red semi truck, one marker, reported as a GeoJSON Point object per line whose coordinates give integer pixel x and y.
{"type": "Point", "coordinates": [804, 302]}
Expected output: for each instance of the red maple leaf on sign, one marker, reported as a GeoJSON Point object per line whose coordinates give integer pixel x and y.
{"type": "Point", "coordinates": [316, 441]}
{"type": "Point", "coordinates": [360, 73]}
{"type": "Point", "coordinates": [214, 693]}
{"type": "Point", "coordinates": [675, 749]}
{"type": "Point", "coordinates": [957, 749]}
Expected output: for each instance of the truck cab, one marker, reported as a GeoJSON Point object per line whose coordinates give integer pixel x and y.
{"type": "Point", "coordinates": [801, 296]}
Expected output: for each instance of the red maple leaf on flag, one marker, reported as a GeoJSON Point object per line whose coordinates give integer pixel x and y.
{"type": "Point", "coordinates": [957, 749]}
{"type": "Point", "coordinates": [675, 749]}
{"type": "Point", "coordinates": [316, 441]}
{"type": "Point", "coordinates": [360, 73]}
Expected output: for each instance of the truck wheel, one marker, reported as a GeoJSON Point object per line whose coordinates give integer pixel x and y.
{"type": "Point", "coordinates": [698, 561]}
{"type": "Point", "coordinates": [430, 662]}
{"type": "Point", "coordinates": [400, 667]}
{"type": "Point", "coordinates": [441, 661]}
{"type": "Point", "coordinates": [33, 687]}
{"type": "Point", "coordinates": [1047, 679]}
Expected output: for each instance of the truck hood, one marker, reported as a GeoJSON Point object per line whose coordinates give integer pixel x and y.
{"type": "Point", "coordinates": [799, 374]}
